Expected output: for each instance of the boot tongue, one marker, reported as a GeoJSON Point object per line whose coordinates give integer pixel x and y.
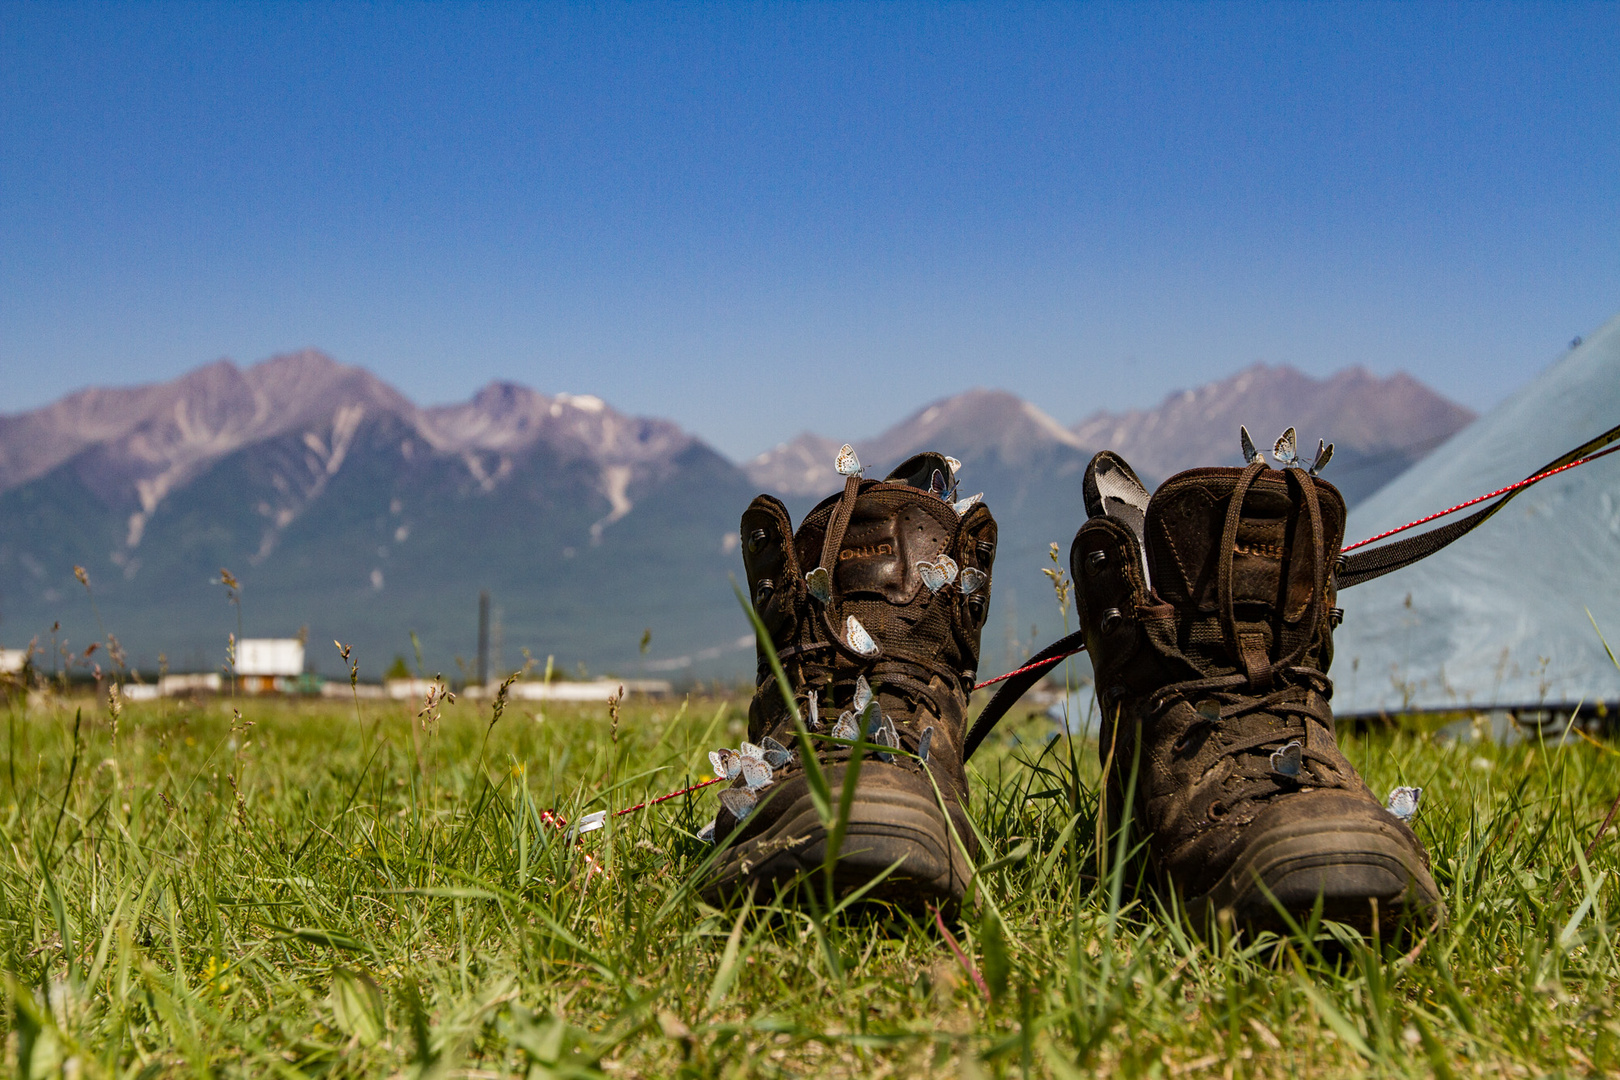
{"type": "Point", "coordinates": [1272, 563]}
{"type": "Point", "coordinates": [888, 534]}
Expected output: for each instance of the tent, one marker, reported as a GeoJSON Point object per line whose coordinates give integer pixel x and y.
{"type": "Point", "coordinates": [1505, 616]}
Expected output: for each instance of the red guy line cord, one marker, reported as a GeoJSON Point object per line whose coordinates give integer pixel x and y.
{"type": "Point", "coordinates": [1526, 482]}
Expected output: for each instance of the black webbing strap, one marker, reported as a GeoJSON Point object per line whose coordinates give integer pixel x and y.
{"type": "Point", "coordinates": [1376, 562]}
{"type": "Point", "coordinates": [1018, 685]}
{"type": "Point", "coordinates": [1357, 568]}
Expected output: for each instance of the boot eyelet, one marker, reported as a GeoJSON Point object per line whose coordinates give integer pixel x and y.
{"type": "Point", "coordinates": [756, 540]}
{"type": "Point", "coordinates": [1111, 620]}
{"type": "Point", "coordinates": [1335, 617]}
{"type": "Point", "coordinates": [986, 549]}
{"type": "Point", "coordinates": [1216, 811]}
{"type": "Point", "coordinates": [763, 591]}
{"type": "Point", "coordinates": [1096, 561]}
{"type": "Point", "coordinates": [1341, 564]}
{"type": "Point", "coordinates": [976, 607]}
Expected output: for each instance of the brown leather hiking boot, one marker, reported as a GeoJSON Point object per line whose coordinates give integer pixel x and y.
{"type": "Point", "coordinates": [1214, 690]}
{"type": "Point", "coordinates": [874, 608]}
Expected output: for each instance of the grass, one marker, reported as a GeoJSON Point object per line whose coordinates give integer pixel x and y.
{"type": "Point", "coordinates": [312, 890]}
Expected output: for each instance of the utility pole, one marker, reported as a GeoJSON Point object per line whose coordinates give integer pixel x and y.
{"type": "Point", "coordinates": [483, 638]}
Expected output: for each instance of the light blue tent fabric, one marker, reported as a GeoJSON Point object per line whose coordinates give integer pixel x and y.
{"type": "Point", "coordinates": [1500, 617]}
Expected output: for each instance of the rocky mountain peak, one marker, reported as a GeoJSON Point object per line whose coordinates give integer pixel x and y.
{"type": "Point", "coordinates": [1361, 413]}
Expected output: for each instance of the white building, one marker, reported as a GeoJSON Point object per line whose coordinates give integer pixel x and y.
{"type": "Point", "coordinates": [264, 664]}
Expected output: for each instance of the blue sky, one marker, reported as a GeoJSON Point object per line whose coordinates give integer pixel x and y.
{"type": "Point", "coordinates": [756, 219]}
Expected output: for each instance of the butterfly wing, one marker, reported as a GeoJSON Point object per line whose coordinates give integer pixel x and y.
{"type": "Point", "coordinates": [740, 801]}
{"type": "Point", "coordinates": [1251, 453]}
{"type": "Point", "coordinates": [756, 772]}
{"type": "Point", "coordinates": [819, 583]}
{"type": "Point", "coordinates": [1287, 761]}
{"type": "Point", "coordinates": [972, 581]}
{"type": "Point", "coordinates": [858, 639]}
{"type": "Point", "coordinates": [863, 694]}
{"type": "Point", "coordinates": [1403, 802]}
{"type": "Point", "coordinates": [847, 463]}
{"type": "Point", "coordinates": [1286, 450]}
{"type": "Point", "coordinates": [845, 728]}
{"type": "Point", "coordinates": [1324, 454]}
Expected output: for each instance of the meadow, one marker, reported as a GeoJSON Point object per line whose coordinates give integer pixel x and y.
{"type": "Point", "coordinates": [266, 887]}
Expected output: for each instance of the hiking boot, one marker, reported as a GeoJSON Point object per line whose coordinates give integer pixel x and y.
{"type": "Point", "coordinates": [1208, 613]}
{"type": "Point", "coordinates": [874, 608]}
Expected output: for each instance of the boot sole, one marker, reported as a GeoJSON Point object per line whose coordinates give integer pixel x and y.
{"type": "Point", "coordinates": [886, 826]}
{"type": "Point", "coordinates": [1360, 875]}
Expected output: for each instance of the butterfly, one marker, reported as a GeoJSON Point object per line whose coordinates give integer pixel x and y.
{"type": "Point", "coordinates": [819, 582]}
{"type": "Point", "coordinates": [972, 581]}
{"type": "Point", "coordinates": [590, 822]}
{"type": "Point", "coordinates": [1286, 450]}
{"type": "Point", "coordinates": [967, 504]}
{"type": "Point", "coordinates": [882, 731]}
{"type": "Point", "coordinates": [923, 743]}
{"type": "Point", "coordinates": [845, 728]}
{"type": "Point", "coordinates": [847, 464]}
{"type": "Point", "coordinates": [1324, 454]}
{"type": "Point", "coordinates": [956, 466]}
{"type": "Point", "coordinates": [725, 764]}
{"type": "Point", "coordinates": [938, 572]}
{"type": "Point", "coordinates": [1287, 761]}
{"type": "Point", "coordinates": [858, 639]}
{"type": "Point", "coordinates": [1209, 709]}
{"type": "Point", "coordinates": [756, 763]}
{"type": "Point", "coordinates": [756, 772]}
{"type": "Point", "coordinates": [1251, 455]}
{"type": "Point", "coordinates": [814, 709]}
{"type": "Point", "coordinates": [706, 833]}
{"type": "Point", "coordinates": [740, 801]}
{"type": "Point", "coordinates": [1403, 802]}
{"type": "Point", "coordinates": [776, 755]}
{"type": "Point", "coordinates": [863, 694]}
{"type": "Point", "coordinates": [937, 488]}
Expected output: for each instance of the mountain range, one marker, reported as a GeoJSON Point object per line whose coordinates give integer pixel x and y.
{"type": "Point", "coordinates": [341, 507]}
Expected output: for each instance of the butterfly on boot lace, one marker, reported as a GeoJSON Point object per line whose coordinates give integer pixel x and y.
{"type": "Point", "coordinates": [847, 463]}
{"type": "Point", "coordinates": [819, 584]}
{"type": "Point", "coordinates": [856, 637]}
{"type": "Point", "coordinates": [1287, 761]}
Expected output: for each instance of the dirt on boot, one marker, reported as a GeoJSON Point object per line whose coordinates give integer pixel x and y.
{"type": "Point", "coordinates": [874, 608]}
{"type": "Point", "coordinates": [1208, 613]}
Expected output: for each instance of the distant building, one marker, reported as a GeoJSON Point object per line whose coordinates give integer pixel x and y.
{"type": "Point", "coordinates": [266, 665]}
{"type": "Point", "coordinates": [207, 682]}
{"type": "Point", "coordinates": [599, 690]}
